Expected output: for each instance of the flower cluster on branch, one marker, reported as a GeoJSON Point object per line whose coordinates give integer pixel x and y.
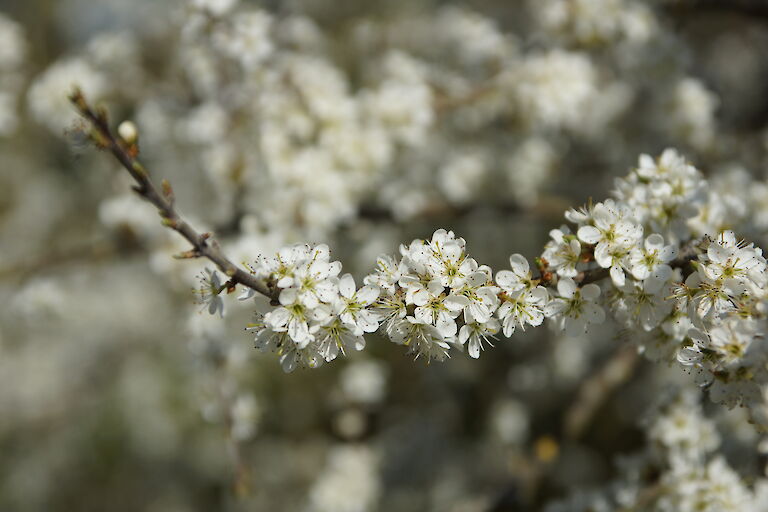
{"type": "Point", "coordinates": [697, 297]}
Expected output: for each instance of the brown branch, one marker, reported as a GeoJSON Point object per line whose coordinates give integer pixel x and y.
{"type": "Point", "coordinates": [202, 244]}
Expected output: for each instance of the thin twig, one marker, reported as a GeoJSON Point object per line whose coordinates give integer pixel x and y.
{"type": "Point", "coordinates": [203, 245]}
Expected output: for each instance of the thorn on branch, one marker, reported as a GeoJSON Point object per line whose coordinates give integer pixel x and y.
{"type": "Point", "coordinates": [168, 191]}
{"type": "Point", "coordinates": [188, 255]}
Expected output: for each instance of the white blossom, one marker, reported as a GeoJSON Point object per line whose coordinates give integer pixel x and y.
{"type": "Point", "coordinates": [209, 292]}
{"type": "Point", "coordinates": [563, 252]}
{"type": "Point", "coordinates": [574, 308]}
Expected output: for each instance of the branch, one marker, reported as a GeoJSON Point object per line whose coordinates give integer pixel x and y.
{"type": "Point", "coordinates": [597, 389]}
{"type": "Point", "coordinates": [546, 207]}
{"type": "Point", "coordinates": [753, 9]}
{"type": "Point", "coordinates": [203, 246]}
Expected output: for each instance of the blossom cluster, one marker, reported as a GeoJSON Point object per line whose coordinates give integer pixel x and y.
{"type": "Point", "coordinates": [678, 472]}
{"type": "Point", "coordinates": [725, 300]}
{"type": "Point", "coordinates": [349, 123]}
{"type": "Point", "coordinates": [319, 315]}
{"type": "Point", "coordinates": [696, 292]}
{"type": "Point", "coordinates": [436, 297]}
{"type": "Point", "coordinates": [324, 140]}
{"type": "Point", "coordinates": [636, 257]}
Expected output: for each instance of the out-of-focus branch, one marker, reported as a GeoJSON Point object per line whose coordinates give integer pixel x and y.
{"type": "Point", "coordinates": [203, 245]}
{"type": "Point", "coordinates": [748, 8]}
{"type": "Point", "coordinates": [444, 103]}
{"type": "Point", "coordinates": [597, 388]}
{"type": "Point", "coordinates": [92, 252]}
{"type": "Point", "coordinates": [546, 207]}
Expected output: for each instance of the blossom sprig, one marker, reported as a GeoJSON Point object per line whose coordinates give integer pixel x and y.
{"type": "Point", "coordinates": [436, 297]}
{"type": "Point", "coordinates": [126, 153]}
{"type": "Point", "coordinates": [699, 293]}
{"type": "Point", "coordinates": [708, 306]}
{"type": "Point", "coordinates": [320, 315]}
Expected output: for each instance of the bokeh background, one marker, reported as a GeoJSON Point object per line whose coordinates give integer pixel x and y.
{"type": "Point", "coordinates": [362, 125]}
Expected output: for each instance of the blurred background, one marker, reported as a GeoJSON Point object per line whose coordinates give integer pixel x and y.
{"type": "Point", "coordinates": [362, 125]}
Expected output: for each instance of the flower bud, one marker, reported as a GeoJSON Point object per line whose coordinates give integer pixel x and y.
{"type": "Point", "coordinates": [128, 132]}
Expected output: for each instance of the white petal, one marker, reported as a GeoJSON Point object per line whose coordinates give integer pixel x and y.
{"type": "Point", "coordinates": [574, 327]}
{"type": "Point", "coordinates": [538, 295]}
{"type": "Point", "coordinates": [566, 287]}
{"type": "Point", "coordinates": [554, 308]}
{"type": "Point", "coordinates": [652, 285]}
{"type": "Point", "coordinates": [435, 287]}
{"type": "Point", "coordinates": [640, 271]}
{"type": "Point", "coordinates": [477, 279]}
{"type": "Point", "coordinates": [464, 334]}
{"type": "Point", "coordinates": [662, 273]}
{"type": "Point", "coordinates": [478, 313]}
{"type": "Point", "coordinates": [519, 264]}
{"type": "Point", "coordinates": [617, 275]}
{"type": "Point", "coordinates": [420, 297]}
{"type": "Point", "coordinates": [446, 326]}
{"type": "Point", "coordinates": [654, 242]}
{"type": "Point", "coordinates": [309, 299]}
{"type": "Point", "coordinates": [423, 315]}
{"type": "Point", "coordinates": [456, 302]}
{"type": "Point", "coordinates": [509, 326]}
{"type": "Point", "coordinates": [288, 296]}
{"type": "Point", "coordinates": [536, 318]}
{"type": "Point", "coordinates": [508, 280]}
{"type": "Point", "coordinates": [603, 255]}
{"type": "Point", "coordinates": [451, 252]}
{"type": "Point", "coordinates": [593, 313]}
{"type": "Point", "coordinates": [358, 342]}
{"type": "Point", "coordinates": [347, 286]}
{"type": "Point", "coordinates": [699, 337]}
{"type": "Point", "coordinates": [589, 234]}
{"type": "Point", "coordinates": [289, 361]}
{"type": "Point", "coordinates": [321, 252]}
{"type": "Point", "coordinates": [473, 348]}
{"type": "Point", "coordinates": [277, 318]}
{"type": "Point", "coordinates": [590, 291]}
{"type": "Point", "coordinates": [728, 238]}
{"type": "Point", "coordinates": [299, 332]}
{"type": "Point", "coordinates": [367, 294]}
